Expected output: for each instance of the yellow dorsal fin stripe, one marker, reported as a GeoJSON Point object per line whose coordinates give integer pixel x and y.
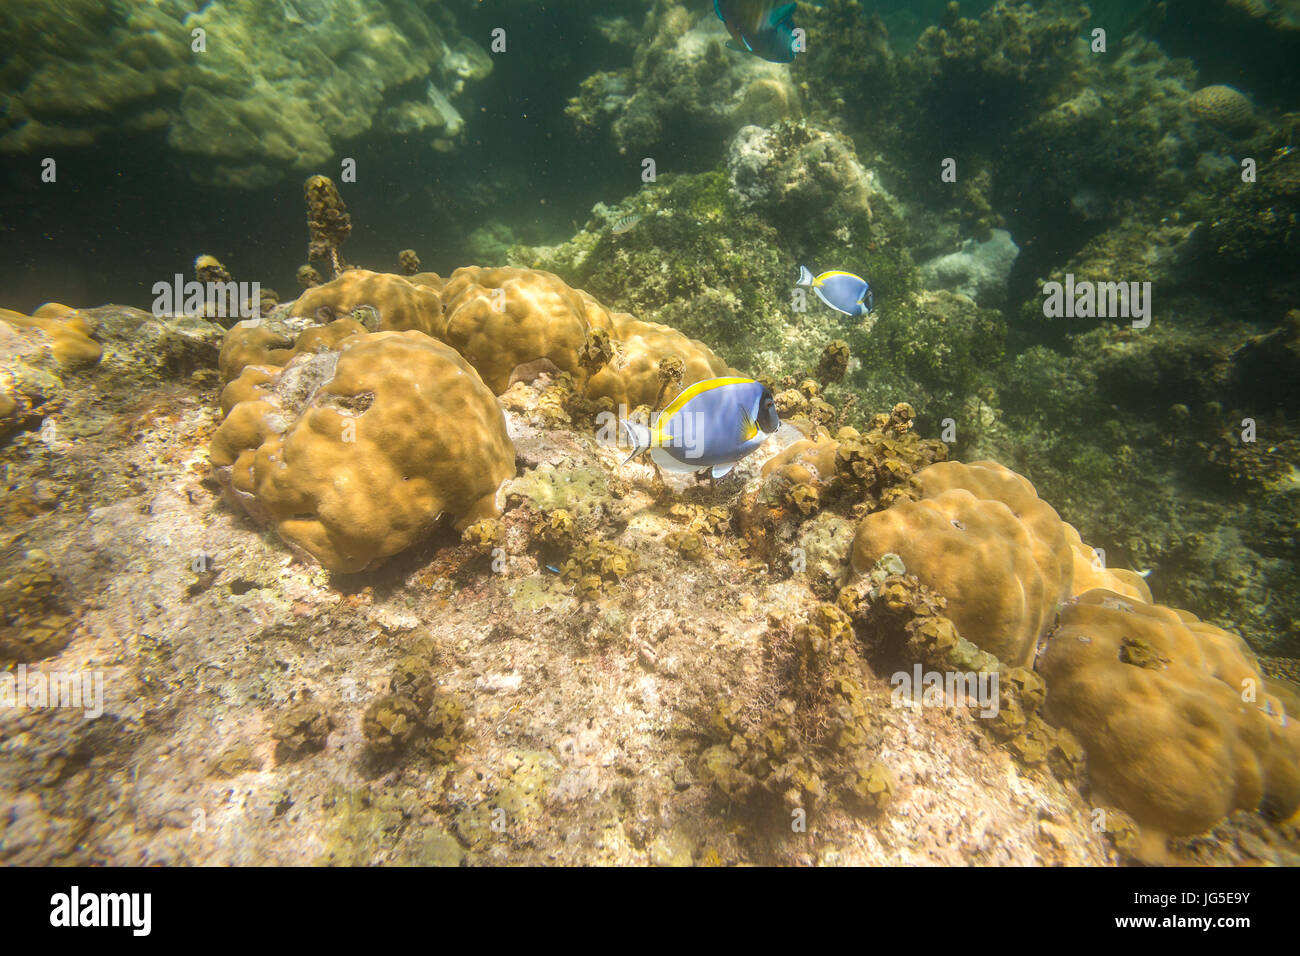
{"type": "Point", "coordinates": [699, 387]}
{"type": "Point", "coordinates": [830, 275]}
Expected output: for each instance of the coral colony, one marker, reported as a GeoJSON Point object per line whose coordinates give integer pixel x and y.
{"type": "Point", "coordinates": [876, 422]}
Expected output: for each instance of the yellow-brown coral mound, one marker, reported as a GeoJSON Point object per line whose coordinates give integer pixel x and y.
{"type": "Point", "coordinates": [1224, 107]}
{"type": "Point", "coordinates": [401, 302]}
{"type": "Point", "coordinates": [255, 354]}
{"type": "Point", "coordinates": [68, 333]}
{"type": "Point", "coordinates": [1089, 573]}
{"type": "Point", "coordinates": [991, 481]}
{"type": "Point", "coordinates": [358, 445]}
{"type": "Point", "coordinates": [1079, 564]}
{"type": "Point", "coordinates": [1001, 581]}
{"type": "Point", "coordinates": [1173, 713]}
{"type": "Point", "coordinates": [1003, 591]}
{"type": "Point", "coordinates": [504, 318]}
{"type": "Point", "coordinates": [632, 377]}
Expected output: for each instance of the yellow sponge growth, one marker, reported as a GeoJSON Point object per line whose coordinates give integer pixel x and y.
{"type": "Point", "coordinates": [1179, 728]}
{"type": "Point", "coordinates": [361, 442]}
{"type": "Point", "coordinates": [68, 333]}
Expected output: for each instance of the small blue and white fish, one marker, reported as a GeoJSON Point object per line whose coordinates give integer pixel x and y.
{"type": "Point", "coordinates": [711, 424]}
{"type": "Point", "coordinates": [761, 27]}
{"type": "Point", "coordinates": [842, 291]}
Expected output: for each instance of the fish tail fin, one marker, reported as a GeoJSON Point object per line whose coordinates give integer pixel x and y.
{"type": "Point", "coordinates": [638, 436]}
{"type": "Point", "coordinates": [805, 277]}
{"type": "Point", "coordinates": [783, 12]}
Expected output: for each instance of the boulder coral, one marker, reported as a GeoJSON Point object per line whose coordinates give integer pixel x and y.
{"type": "Point", "coordinates": [1174, 713]}
{"type": "Point", "coordinates": [67, 333]}
{"type": "Point", "coordinates": [504, 318]}
{"type": "Point", "coordinates": [322, 74]}
{"type": "Point", "coordinates": [632, 378]}
{"type": "Point", "coordinates": [353, 449]}
{"type": "Point", "coordinates": [1001, 579]}
{"type": "Point", "coordinates": [1223, 107]}
{"type": "Point", "coordinates": [370, 301]}
{"type": "Point", "coordinates": [400, 302]}
{"type": "Point", "coordinates": [1002, 556]}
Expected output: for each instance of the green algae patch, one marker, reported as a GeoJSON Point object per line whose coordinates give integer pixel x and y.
{"type": "Point", "coordinates": [579, 491]}
{"type": "Point", "coordinates": [516, 807]}
{"type": "Point", "coordinates": [541, 592]}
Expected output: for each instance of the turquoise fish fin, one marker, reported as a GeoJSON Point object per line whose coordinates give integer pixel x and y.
{"type": "Point", "coordinates": [780, 13]}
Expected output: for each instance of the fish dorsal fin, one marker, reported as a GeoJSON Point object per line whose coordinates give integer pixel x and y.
{"type": "Point", "coordinates": [686, 394]}
{"type": "Point", "coordinates": [721, 471]}
{"type": "Point", "coordinates": [777, 15]}
{"type": "Point", "coordinates": [717, 8]}
{"type": "Point", "coordinates": [748, 427]}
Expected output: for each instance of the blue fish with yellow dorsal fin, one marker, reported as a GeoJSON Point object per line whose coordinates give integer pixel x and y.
{"type": "Point", "coordinates": [711, 424]}
{"type": "Point", "coordinates": [842, 291]}
{"type": "Point", "coordinates": [761, 27]}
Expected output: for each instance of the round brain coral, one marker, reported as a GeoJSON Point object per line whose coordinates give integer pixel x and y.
{"type": "Point", "coordinates": [355, 448]}
{"type": "Point", "coordinates": [1223, 107]}
{"type": "Point", "coordinates": [1173, 712]}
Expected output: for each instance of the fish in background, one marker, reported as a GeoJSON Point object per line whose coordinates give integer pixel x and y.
{"type": "Point", "coordinates": [842, 291]}
{"type": "Point", "coordinates": [761, 27]}
{"type": "Point", "coordinates": [625, 224]}
{"type": "Point", "coordinates": [711, 424]}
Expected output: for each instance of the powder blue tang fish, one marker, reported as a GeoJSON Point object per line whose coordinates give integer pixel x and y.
{"type": "Point", "coordinates": [761, 27]}
{"type": "Point", "coordinates": [842, 291]}
{"type": "Point", "coordinates": [712, 424]}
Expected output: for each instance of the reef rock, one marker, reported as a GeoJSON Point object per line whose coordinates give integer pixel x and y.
{"type": "Point", "coordinates": [274, 91]}
{"type": "Point", "coordinates": [683, 82]}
